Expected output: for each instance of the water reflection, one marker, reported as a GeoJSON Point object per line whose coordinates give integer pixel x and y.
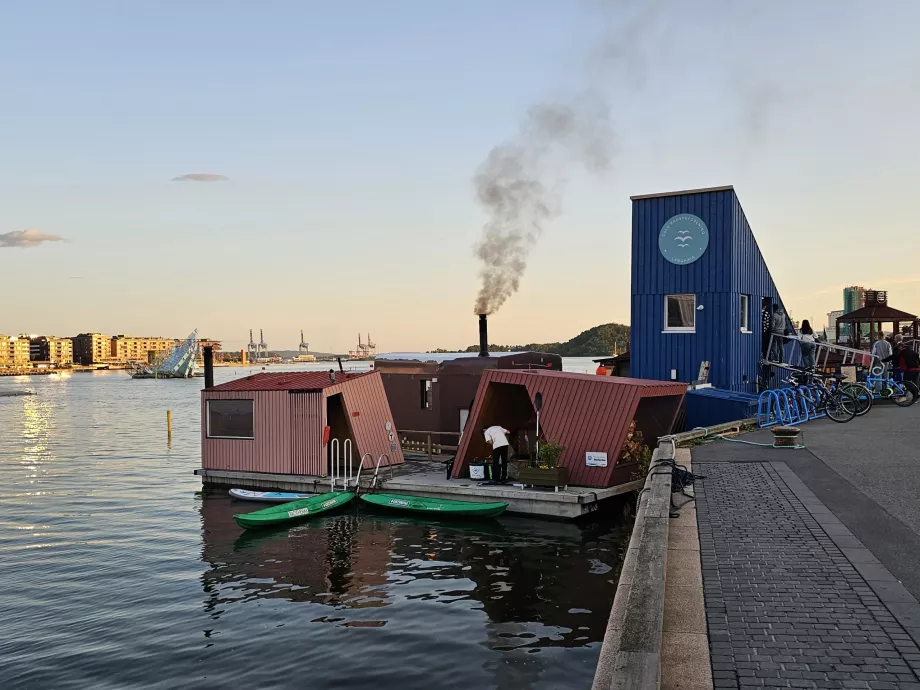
{"type": "Point", "coordinates": [540, 585]}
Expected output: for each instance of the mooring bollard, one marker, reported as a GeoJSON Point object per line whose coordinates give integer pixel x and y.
{"type": "Point", "coordinates": [787, 437]}
{"type": "Point", "coordinates": [169, 426]}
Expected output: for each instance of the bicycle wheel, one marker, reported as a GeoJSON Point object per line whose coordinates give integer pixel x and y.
{"type": "Point", "coordinates": [861, 394]}
{"type": "Point", "coordinates": [841, 407]}
{"type": "Point", "coordinates": [902, 395]}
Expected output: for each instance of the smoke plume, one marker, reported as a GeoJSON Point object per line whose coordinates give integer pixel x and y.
{"type": "Point", "coordinates": [520, 183]}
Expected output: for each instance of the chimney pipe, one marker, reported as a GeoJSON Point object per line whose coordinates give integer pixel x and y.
{"type": "Point", "coordinates": [483, 336]}
{"type": "Point", "coordinates": [208, 366]}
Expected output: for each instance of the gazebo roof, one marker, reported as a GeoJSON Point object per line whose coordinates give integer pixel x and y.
{"type": "Point", "coordinates": [876, 312]}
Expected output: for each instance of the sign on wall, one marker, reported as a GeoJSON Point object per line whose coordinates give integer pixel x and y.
{"type": "Point", "coordinates": [683, 239]}
{"type": "Point", "coordinates": [596, 459]}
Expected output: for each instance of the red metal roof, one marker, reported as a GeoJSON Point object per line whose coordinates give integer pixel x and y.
{"type": "Point", "coordinates": [287, 381]}
{"type": "Point", "coordinates": [583, 412]}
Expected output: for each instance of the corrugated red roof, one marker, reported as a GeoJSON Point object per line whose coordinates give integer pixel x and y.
{"type": "Point", "coordinates": [287, 381]}
{"type": "Point", "coordinates": [583, 412]}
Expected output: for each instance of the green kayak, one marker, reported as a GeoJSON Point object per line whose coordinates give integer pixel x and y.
{"type": "Point", "coordinates": [295, 510]}
{"type": "Point", "coordinates": [445, 507]}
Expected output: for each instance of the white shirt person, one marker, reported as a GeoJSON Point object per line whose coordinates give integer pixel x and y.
{"type": "Point", "coordinates": [496, 436]}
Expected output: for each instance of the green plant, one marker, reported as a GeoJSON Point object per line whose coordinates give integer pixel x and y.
{"type": "Point", "coordinates": [548, 457]}
{"type": "Point", "coordinates": [636, 450]}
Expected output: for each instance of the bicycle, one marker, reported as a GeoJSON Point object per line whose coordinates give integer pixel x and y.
{"type": "Point", "coordinates": [829, 399]}
{"type": "Point", "coordinates": [901, 393]}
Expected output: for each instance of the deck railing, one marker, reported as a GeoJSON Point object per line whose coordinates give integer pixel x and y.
{"type": "Point", "coordinates": [428, 442]}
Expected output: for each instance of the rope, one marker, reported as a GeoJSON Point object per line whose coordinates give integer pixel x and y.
{"type": "Point", "coordinates": [747, 443]}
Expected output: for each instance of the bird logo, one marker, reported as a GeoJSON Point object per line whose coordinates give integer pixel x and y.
{"type": "Point", "coordinates": [683, 238]}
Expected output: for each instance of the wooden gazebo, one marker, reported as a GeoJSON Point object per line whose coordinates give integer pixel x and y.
{"type": "Point", "coordinates": [875, 313]}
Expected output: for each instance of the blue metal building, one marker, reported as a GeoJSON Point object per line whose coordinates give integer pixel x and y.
{"type": "Point", "coordinates": [699, 283]}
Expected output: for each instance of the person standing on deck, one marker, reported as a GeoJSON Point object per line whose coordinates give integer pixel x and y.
{"type": "Point", "coordinates": [777, 331]}
{"type": "Point", "coordinates": [908, 363]}
{"type": "Point", "coordinates": [881, 348]}
{"type": "Point", "coordinates": [807, 345]}
{"type": "Point", "coordinates": [496, 436]}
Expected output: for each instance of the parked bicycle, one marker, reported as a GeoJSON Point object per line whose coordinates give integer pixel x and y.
{"type": "Point", "coordinates": [901, 393]}
{"type": "Point", "coordinates": [830, 399]}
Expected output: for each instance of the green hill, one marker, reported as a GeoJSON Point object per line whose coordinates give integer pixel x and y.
{"type": "Point", "coordinates": [600, 341]}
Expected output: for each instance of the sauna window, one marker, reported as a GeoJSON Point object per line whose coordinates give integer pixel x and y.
{"type": "Point", "coordinates": [230, 419]}
{"type": "Point", "coordinates": [425, 386]}
{"type": "Point", "coordinates": [745, 314]}
{"type": "Point", "coordinates": [680, 313]}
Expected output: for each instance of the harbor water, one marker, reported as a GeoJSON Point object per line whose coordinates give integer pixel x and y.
{"type": "Point", "coordinates": [119, 573]}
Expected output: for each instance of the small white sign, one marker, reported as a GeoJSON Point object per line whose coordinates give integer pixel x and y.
{"type": "Point", "coordinates": [596, 459]}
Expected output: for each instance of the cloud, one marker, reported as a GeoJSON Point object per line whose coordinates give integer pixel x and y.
{"type": "Point", "coordinates": [201, 177]}
{"type": "Point", "coordinates": [25, 239]}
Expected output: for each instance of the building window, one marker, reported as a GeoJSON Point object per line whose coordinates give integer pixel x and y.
{"type": "Point", "coordinates": [745, 313]}
{"type": "Point", "coordinates": [426, 393]}
{"type": "Point", "coordinates": [230, 418]}
{"type": "Point", "coordinates": [680, 313]}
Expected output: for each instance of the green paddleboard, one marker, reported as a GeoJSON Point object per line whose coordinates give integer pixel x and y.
{"type": "Point", "coordinates": [293, 511]}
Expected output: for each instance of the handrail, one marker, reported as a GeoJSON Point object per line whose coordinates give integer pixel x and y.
{"type": "Point", "coordinates": [346, 463]}
{"type": "Point", "coordinates": [377, 469]}
{"type": "Point", "coordinates": [334, 462]}
{"type": "Point", "coordinates": [361, 467]}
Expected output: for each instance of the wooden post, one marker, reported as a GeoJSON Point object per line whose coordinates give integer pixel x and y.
{"type": "Point", "coordinates": [169, 426]}
{"type": "Point", "coordinates": [429, 447]}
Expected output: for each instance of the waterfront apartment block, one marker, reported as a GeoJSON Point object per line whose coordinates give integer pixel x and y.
{"type": "Point", "coordinates": [48, 348]}
{"type": "Point", "coordinates": [92, 348]}
{"type": "Point", "coordinates": [14, 352]}
{"type": "Point", "coordinates": [127, 348]}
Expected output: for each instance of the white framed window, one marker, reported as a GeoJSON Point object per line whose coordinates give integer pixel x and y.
{"type": "Point", "coordinates": [230, 419]}
{"type": "Point", "coordinates": [745, 314]}
{"type": "Point", "coordinates": [680, 313]}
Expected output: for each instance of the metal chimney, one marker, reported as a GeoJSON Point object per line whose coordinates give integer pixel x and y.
{"type": "Point", "coordinates": [483, 335]}
{"type": "Point", "coordinates": [208, 366]}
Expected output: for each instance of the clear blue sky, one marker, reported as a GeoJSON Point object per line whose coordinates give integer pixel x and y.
{"type": "Point", "coordinates": [349, 132]}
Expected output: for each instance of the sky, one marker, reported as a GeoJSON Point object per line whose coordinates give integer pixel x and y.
{"type": "Point", "coordinates": [335, 146]}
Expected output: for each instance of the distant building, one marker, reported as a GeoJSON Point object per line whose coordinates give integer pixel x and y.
{"type": "Point", "coordinates": [832, 317]}
{"type": "Point", "coordinates": [57, 351]}
{"type": "Point", "coordinates": [128, 348]}
{"type": "Point", "coordinates": [19, 351]}
{"type": "Point", "coordinates": [214, 344]}
{"type": "Point", "coordinates": [854, 297]}
{"type": "Point", "coordinates": [92, 348]}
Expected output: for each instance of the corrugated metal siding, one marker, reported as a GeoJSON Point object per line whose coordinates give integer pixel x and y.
{"type": "Point", "coordinates": [731, 265]}
{"type": "Point", "coordinates": [268, 451]}
{"type": "Point", "coordinates": [584, 413]}
{"type": "Point", "coordinates": [710, 406]}
{"type": "Point", "coordinates": [308, 419]}
{"type": "Point", "coordinates": [366, 397]}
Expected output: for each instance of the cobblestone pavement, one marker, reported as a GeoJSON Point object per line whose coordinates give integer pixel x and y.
{"type": "Point", "coordinates": [786, 607]}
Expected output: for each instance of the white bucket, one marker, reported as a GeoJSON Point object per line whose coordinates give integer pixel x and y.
{"type": "Point", "coordinates": [477, 472]}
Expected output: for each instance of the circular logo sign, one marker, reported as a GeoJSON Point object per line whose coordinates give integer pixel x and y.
{"type": "Point", "coordinates": [683, 239]}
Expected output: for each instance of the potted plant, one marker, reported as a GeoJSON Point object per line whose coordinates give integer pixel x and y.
{"type": "Point", "coordinates": [547, 471]}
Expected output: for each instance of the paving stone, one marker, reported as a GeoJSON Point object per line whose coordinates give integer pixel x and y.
{"type": "Point", "coordinates": [783, 602]}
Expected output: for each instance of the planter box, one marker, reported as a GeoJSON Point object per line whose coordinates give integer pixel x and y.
{"type": "Point", "coordinates": [534, 476]}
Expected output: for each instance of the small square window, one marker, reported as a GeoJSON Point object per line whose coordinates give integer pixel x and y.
{"type": "Point", "coordinates": [745, 316]}
{"type": "Point", "coordinates": [680, 313]}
